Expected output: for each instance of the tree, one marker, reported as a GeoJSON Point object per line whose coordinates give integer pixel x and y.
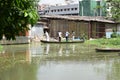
{"type": "Point", "coordinates": [15, 15]}
{"type": "Point", "coordinates": [115, 9]}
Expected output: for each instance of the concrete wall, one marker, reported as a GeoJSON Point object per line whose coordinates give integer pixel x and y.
{"type": "Point", "coordinates": [19, 40]}
{"type": "Point", "coordinates": [36, 32]}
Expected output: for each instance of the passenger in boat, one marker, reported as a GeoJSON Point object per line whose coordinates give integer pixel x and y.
{"type": "Point", "coordinates": [47, 36]}
{"type": "Point", "coordinates": [73, 35]}
{"type": "Point", "coordinates": [67, 35]}
{"type": "Point", "coordinates": [59, 35]}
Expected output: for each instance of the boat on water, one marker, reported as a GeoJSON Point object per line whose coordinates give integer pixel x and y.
{"type": "Point", "coordinates": [79, 41]}
{"type": "Point", "coordinates": [108, 49]}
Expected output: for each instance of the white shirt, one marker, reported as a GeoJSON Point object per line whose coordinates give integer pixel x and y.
{"type": "Point", "coordinates": [67, 34]}
{"type": "Point", "coordinates": [47, 36]}
{"type": "Point", "coordinates": [60, 34]}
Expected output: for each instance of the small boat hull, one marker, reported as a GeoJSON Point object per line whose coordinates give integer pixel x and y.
{"type": "Point", "coordinates": [108, 49]}
{"type": "Point", "coordinates": [43, 41]}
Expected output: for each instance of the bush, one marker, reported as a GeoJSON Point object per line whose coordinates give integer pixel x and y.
{"type": "Point", "coordinates": [114, 34]}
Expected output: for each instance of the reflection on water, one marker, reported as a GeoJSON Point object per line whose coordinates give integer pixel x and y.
{"type": "Point", "coordinates": [47, 48]}
{"type": "Point", "coordinates": [70, 70]}
{"type": "Point", "coordinates": [38, 61]}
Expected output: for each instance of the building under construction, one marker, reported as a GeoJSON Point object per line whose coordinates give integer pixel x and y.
{"type": "Point", "coordinates": [92, 8]}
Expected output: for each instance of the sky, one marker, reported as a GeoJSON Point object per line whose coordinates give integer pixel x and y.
{"type": "Point", "coordinates": [53, 2]}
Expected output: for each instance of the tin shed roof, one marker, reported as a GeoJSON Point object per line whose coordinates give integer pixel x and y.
{"type": "Point", "coordinates": [79, 18]}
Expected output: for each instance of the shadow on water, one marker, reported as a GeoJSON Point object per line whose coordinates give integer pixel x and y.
{"type": "Point", "coordinates": [37, 61]}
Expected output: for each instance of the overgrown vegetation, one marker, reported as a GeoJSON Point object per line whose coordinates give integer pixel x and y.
{"type": "Point", "coordinates": [113, 42]}
{"type": "Point", "coordinates": [115, 34]}
{"type": "Point", "coordinates": [102, 42]}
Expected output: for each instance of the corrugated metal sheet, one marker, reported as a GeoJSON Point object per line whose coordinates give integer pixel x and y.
{"type": "Point", "coordinates": [79, 18]}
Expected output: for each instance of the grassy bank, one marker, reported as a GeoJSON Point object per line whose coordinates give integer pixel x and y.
{"type": "Point", "coordinates": [110, 43]}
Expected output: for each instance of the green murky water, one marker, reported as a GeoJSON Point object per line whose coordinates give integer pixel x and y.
{"type": "Point", "coordinates": [38, 61]}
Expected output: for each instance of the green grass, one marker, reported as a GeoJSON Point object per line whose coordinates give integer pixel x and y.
{"type": "Point", "coordinates": [102, 42]}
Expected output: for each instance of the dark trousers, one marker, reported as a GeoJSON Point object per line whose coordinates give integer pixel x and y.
{"type": "Point", "coordinates": [59, 39]}
{"type": "Point", "coordinates": [66, 38]}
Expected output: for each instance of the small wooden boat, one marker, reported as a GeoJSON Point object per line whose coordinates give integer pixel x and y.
{"type": "Point", "coordinates": [108, 49]}
{"type": "Point", "coordinates": [80, 41]}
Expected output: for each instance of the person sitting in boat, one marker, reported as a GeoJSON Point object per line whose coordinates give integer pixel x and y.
{"type": "Point", "coordinates": [59, 36]}
{"type": "Point", "coordinates": [67, 35]}
{"type": "Point", "coordinates": [73, 35]}
{"type": "Point", "coordinates": [47, 36]}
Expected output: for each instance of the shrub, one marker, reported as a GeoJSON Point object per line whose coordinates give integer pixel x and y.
{"type": "Point", "coordinates": [114, 34]}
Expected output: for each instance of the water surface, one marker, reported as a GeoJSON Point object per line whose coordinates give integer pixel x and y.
{"type": "Point", "coordinates": [38, 61]}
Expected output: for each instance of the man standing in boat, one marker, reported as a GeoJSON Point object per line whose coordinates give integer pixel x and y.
{"type": "Point", "coordinates": [73, 35]}
{"type": "Point", "coordinates": [67, 35]}
{"type": "Point", "coordinates": [59, 35]}
{"type": "Point", "coordinates": [47, 36]}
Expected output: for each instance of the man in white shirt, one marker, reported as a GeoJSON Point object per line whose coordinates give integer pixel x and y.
{"type": "Point", "coordinates": [67, 35]}
{"type": "Point", "coordinates": [59, 36]}
{"type": "Point", "coordinates": [47, 36]}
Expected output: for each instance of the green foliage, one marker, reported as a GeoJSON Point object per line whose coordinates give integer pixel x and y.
{"type": "Point", "coordinates": [115, 9]}
{"type": "Point", "coordinates": [15, 16]}
{"type": "Point", "coordinates": [115, 34]}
